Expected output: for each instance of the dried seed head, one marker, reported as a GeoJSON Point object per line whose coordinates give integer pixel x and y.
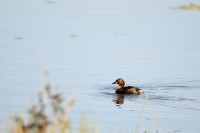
{"type": "Point", "coordinates": [47, 87]}
{"type": "Point", "coordinates": [70, 102]}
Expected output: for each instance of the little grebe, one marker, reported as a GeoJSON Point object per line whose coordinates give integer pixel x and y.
{"type": "Point", "coordinates": [127, 89]}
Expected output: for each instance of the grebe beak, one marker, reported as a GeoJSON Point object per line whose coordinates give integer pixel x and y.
{"type": "Point", "coordinates": [115, 82]}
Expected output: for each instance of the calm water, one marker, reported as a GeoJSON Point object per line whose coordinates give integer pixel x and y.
{"type": "Point", "coordinates": [86, 45]}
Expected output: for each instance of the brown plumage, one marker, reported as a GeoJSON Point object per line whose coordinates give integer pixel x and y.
{"type": "Point", "coordinates": [127, 89]}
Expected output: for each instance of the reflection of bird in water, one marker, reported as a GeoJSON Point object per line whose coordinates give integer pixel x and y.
{"type": "Point", "coordinates": [126, 90]}
{"type": "Point", "coordinates": [119, 99]}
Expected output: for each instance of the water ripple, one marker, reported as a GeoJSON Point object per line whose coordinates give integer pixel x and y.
{"type": "Point", "coordinates": [174, 95]}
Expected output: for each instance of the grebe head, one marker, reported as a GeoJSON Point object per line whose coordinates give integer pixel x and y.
{"type": "Point", "coordinates": [120, 82]}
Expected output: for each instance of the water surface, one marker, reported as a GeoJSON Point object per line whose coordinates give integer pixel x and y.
{"type": "Point", "coordinates": [86, 45]}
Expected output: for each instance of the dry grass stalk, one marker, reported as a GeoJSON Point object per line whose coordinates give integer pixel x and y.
{"type": "Point", "coordinates": [152, 125]}
{"type": "Point", "coordinates": [85, 127]}
{"type": "Point", "coordinates": [140, 115]}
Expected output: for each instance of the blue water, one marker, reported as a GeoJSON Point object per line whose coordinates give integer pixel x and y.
{"type": "Point", "coordinates": [86, 45]}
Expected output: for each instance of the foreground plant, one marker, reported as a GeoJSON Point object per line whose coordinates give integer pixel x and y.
{"type": "Point", "coordinates": [39, 122]}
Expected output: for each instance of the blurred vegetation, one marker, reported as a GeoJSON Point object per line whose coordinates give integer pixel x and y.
{"type": "Point", "coordinates": [73, 35]}
{"type": "Point", "coordinates": [191, 6]}
{"type": "Point", "coordinates": [39, 122]}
